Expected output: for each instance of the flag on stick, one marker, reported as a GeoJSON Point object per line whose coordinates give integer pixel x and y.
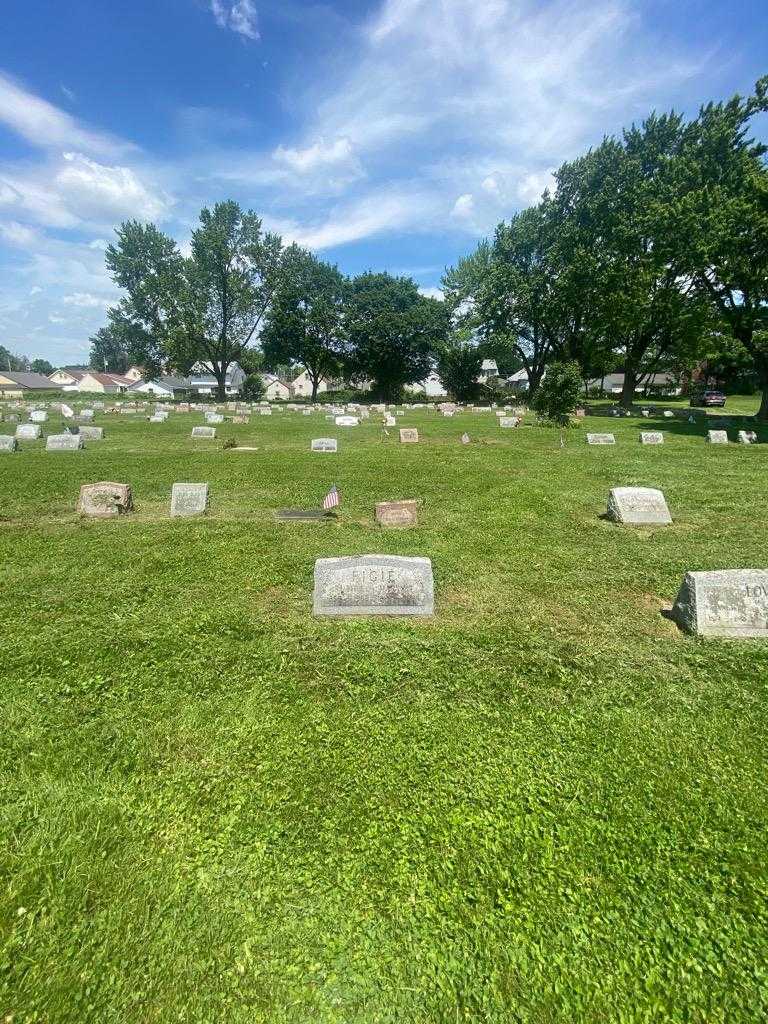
{"type": "Point", "coordinates": [331, 500]}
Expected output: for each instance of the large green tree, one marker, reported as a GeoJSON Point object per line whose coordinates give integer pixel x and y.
{"type": "Point", "coordinates": [306, 319]}
{"type": "Point", "coordinates": [458, 365]}
{"type": "Point", "coordinates": [392, 332]}
{"type": "Point", "coordinates": [109, 348]}
{"type": "Point", "coordinates": [11, 361]}
{"type": "Point", "coordinates": [41, 366]}
{"type": "Point", "coordinates": [207, 307]}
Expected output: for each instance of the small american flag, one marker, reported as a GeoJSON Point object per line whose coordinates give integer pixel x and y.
{"type": "Point", "coordinates": [331, 500]}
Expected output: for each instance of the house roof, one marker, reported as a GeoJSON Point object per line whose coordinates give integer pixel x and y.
{"type": "Point", "coordinates": [171, 383]}
{"type": "Point", "coordinates": [72, 371]}
{"type": "Point", "coordinates": [31, 381]}
{"type": "Point", "coordinates": [489, 364]}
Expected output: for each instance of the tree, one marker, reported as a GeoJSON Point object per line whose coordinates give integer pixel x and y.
{"type": "Point", "coordinates": [458, 366]}
{"type": "Point", "coordinates": [208, 307]}
{"type": "Point", "coordinates": [12, 362]}
{"type": "Point", "coordinates": [109, 348]}
{"type": "Point", "coordinates": [41, 366]}
{"type": "Point", "coordinates": [305, 322]}
{"type": "Point", "coordinates": [558, 394]}
{"type": "Point", "coordinates": [391, 332]}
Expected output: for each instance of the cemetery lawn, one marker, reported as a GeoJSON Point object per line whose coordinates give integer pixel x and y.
{"type": "Point", "coordinates": [546, 804]}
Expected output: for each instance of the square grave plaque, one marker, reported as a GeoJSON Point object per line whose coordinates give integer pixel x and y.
{"type": "Point", "coordinates": [204, 433]}
{"type": "Point", "coordinates": [189, 500]}
{"type": "Point", "coordinates": [104, 500]}
{"type": "Point", "coordinates": [409, 435]}
{"type": "Point", "coordinates": [725, 603]}
{"type": "Point", "coordinates": [63, 443]}
{"type": "Point", "coordinates": [324, 444]}
{"type": "Point", "coordinates": [717, 436]}
{"type": "Point", "coordinates": [638, 506]}
{"type": "Point", "coordinates": [8, 443]}
{"type": "Point", "coordinates": [601, 439]}
{"type": "Point", "coordinates": [397, 513]}
{"type": "Point", "coordinates": [651, 437]}
{"type": "Point", "coordinates": [373, 585]}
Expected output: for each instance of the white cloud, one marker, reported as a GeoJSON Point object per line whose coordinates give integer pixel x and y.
{"type": "Point", "coordinates": [318, 154]}
{"type": "Point", "coordinates": [35, 290]}
{"type": "Point", "coordinates": [86, 301]}
{"type": "Point", "coordinates": [100, 192]}
{"type": "Point", "coordinates": [431, 292]}
{"type": "Point", "coordinates": [533, 185]}
{"type": "Point", "coordinates": [240, 16]}
{"type": "Point", "coordinates": [464, 206]}
{"type": "Point", "coordinates": [18, 234]}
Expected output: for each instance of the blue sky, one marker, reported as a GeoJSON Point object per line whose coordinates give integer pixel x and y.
{"type": "Point", "coordinates": [386, 135]}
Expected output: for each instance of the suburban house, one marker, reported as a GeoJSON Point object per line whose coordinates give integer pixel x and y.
{"type": "Point", "coordinates": [301, 386]}
{"type": "Point", "coordinates": [487, 370]}
{"type": "Point", "coordinates": [613, 384]}
{"type": "Point", "coordinates": [431, 387]}
{"type": "Point", "coordinates": [67, 377]}
{"type": "Point", "coordinates": [16, 384]}
{"type": "Point", "coordinates": [162, 387]}
{"type": "Point", "coordinates": [276, 390]}
{"type": "Point", "coordinates": [104, 383]}
{"type": "Point", "coordinates": [202, 380]}
{"type": "Point", "coordinates": [133, 373]}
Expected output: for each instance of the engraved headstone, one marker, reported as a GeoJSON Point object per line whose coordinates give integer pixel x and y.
{"type": "Point", "coordinates": [38, 416]}
{"type": "Point", "coordinates": [409, 435]}
{"type": "Point", "coordinates": [63, 443]}
{"type": "Point", "coordinates": [390, 421]}
{"type": "Point", "coordinates": [189, 500]}
{"type": "Point", "coordinates": [508, 421]}
{"type": "Point", "coordinates": [28, 431]}
{"type": "Point", "coordinates": [213, 418]}
{"type": "Point", "coordinates": [373, 585]}
{"type": "Point", "coordinates": [717, 436]}
{"type": "Point", "coordinates": [397, 513]}
{"type": "Point", "coordinates": [638, 506]}
{"type": "Point", "coordinates": [8, 443]}
{"type": "Point", "coordinates": [725, 603]}
{"type": "Point", "coordinates": [206, 433]}
{"type": "Point", "coordinates": [651, 437]}
{"type": "Point", "coordinates": [86, 414]}
{"type": "Point", "coordinates": [265, 412]}
{"type": "Point", "coordinates": [347, 421]}
{"type": "Point", "coordinates": [89, 433]}
{"type": "Point", "coordinates": [104, 500]}
{"type": "Point", "coordinates": [324, 444]}
{"type": "Point", "coordinates": [601, 439]}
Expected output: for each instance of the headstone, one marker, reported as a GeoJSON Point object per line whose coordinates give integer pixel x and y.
{"type": "Point", "coordinates": [601, 439]}
{"type": "Point", "coordinates": [725, 603]}
{"type": "Point", "coordinates": [104, 500]}
{"type": "Point", "coordinates": [157, 418]}
{"type": "Point", "coordinates": [86, 414]}
{"type": "Point", "coordinates": [409, 435]}
{"type": "Point", "coordinates": [651, 437]}
{"type": "Point", "coordinates": [28, 431]}
{"type": "Point", "coordinates": [206, 433]}
{"type": "Point", "coordinates": [214, 417]}
{"type": "Point", "coordinates": [508, 421]}
{"type": "Point", "coordinates": [240, 419]}
{"type": "Point", "coordinates": [8, 443]}
{"type": "Point", "coordinates": [373, 585]}
{"type": "Point", "coordinates": [747, 437]}
{"type": "Point", "coordinates": [448, 413]}
{"type": "Point", "coordinates": [638, 506]}
{"type": "Point", "coordinates": [465, 439]}
{"type": "Point", "coordinates": [324, 444]}
{"type": "Point", "coordinates": [397, 513]}
{"type": "Point", "coordinates": [63, 443]}
{"type": "Point", "coordinates": [668, 414]}
{"type": "Point", "coordinates": [189, 500]}
{"type": "Point", "coordinates": [89, 433]}
{"type": "Point", "coordinates": [265, 412]}
{"type": "Point", "coordinates": [717, 436]}
{"type": "Point", "coordinates": [38, 416]}
{"type": "Point", "coordinates": [306, 412]}
{"type": "Point", "coordinates": [645, 412]}
{"type": "Point", "coordinates": [390, 421]}
{"type": "Point", "coordinates": [347, 421]}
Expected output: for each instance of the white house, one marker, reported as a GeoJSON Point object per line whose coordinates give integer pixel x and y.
{"type": "Point", "coordinates": [67, 377]}
{"type": "Point", "coordinates": [276, 390]}
{"type": "Point", "coordinates": [431, 387]}
{"type": "Point", "coordinates": [301, 386]}
{"type": "Point", "coordinates": [488, 369]}
{"type": "Point", "coordinates": [163, 387]}
{"type": "Point", "coordinates": [613, 384]}
{"type": "Point", "coordinates": [203, 381]}
{"type": "Point", "coordinates": [104, 383]}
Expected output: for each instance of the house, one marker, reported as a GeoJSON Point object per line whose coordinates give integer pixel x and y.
{"type": "Point", "coordinates": [276, 390]}
{"type": "Point", "coordinates": [487, 370]}
{"type": "Point", "coordinates": [301, 386]}
{"type": "Point", "coordinates": [20, 383]}
{"type": "Point", "coordinates": [203, 381]}
{"type": "Point", "coordinates": [104, 383]}
{"type": "Point", "coordinates": [431, 387]}
{"type": "Point", "coordinates": [613, 384]}
{"type": "Point", "coordinates": [67, 377]}
{"type": "Point", "coordinates": [163, 387]}
{"type": "Point", "coordinates": [134, 373]}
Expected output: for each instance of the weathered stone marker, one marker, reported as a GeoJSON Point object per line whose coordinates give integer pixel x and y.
{"type": "Point", "coordinates": [214, 417]}
{"type": "Point", "coordinates": [104, 500]}
{"type": "Point", "coordinates": [38, 416]}
{"type": "Point", "coordinates": [91, 433]}
{"type": "Point", "coordinates": [651, 437]}
{"type": "Point", "coordinates": [189, 500]}
{"type": "Point", "coordinates": [601, 439]}
{"type": "Point", "coordinates": [409, 435]}
{"type": "Point", "coordinates": [725, 602]}
{"type": "Point", "coordinates": [347, 421]}
{"type": "Point", "coordinates": [28, 431]}
{"type": "Point", "coordinates": [204, 433]}
{"type": "Point", "coordinates": [638, 506]}
{"type": "Point", "coordinates": [8, 443]}
{"type": "Point", "coordinates": [508, 421]}
{"type": "Point", "coordinates": [373, 585]}
{"type": "Point", "coordinates": [63, 443]}
{"type": "Point", "coordinates": [324, 444]}
{"type": "Point", "coordinates": [397, 513]}
{"type": "Point", "coordinates": [717, 436]}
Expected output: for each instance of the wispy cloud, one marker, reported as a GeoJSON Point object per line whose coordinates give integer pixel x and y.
{"type": "Point", "coordinates": [240, 16]}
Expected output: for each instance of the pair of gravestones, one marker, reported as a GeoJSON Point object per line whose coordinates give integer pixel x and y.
{"type": "Point", "coordinates": [108, 499]}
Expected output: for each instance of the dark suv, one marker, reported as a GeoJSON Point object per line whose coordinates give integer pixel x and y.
{"type": "Point", "coordinates": [708, 398]}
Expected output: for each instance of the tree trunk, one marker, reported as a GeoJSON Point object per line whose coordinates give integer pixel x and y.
{"type": "Point", "coordinates": [762, 370]}
{"type": "Point", "coordinates": [220, 374]}
{"type": "Point", "coordinates": [315, 378]}
{"type": "Point", "coordinates": [628, 388]}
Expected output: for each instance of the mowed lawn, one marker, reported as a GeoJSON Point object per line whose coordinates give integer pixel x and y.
{"type": "Point", "coordinates": [546, 804]}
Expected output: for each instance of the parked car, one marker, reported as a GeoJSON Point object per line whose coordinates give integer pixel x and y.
{"type": "Point", "coordinates": [708, 398]}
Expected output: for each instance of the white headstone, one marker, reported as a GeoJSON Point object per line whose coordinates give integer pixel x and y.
{"type": "Point", "coordinates": [409, 435]}
{"type": "Point", "coordinates": [189, 500]}
{"type": "Point", "coordinates": [206, 433]}
{"type": "Point", "coordinates": [508, 421]}
{"type": "Point", "coordinates": [638, 506]}
{"type": "Point", "coordinates": [28, 431]}
{"type": "Point", "coordinates": [601, 439]}
{"type": "Point", "coordinates": [104, 500]}
{"type": "Point", "coordinates": [373, 585]}
{"type": "Point", "coordinates": [724, 603]}
{"type": "Point", "coordinates": [717, 436]}
{"type": "Point", "coordinates": [324, 444]}
{"type": "Point", "coordinates": [63, 443]}
{"type": "Point", "coordinates": [651, 437]}
{"type": "Point", "coordinates": [38, 416]}
{"type": "Point", "coordinates": [89, 433]}
{"type": "Point", "coordinates": [8, 443]}
{"type": "Point", "coordinates": [347, 421]}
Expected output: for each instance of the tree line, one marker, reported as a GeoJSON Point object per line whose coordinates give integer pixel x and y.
{"type": "Point", "coordinates": [650, 252]}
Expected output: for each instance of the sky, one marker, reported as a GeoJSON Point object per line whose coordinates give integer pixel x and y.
{"type": "Point", "coordinates": [382, 134]}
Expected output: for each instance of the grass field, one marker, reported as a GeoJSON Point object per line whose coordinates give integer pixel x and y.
{"type": "Point", "coordinates": [546, 804]}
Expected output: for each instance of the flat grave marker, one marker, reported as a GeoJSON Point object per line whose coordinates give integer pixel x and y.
{"type": "Point", "coordinates": [397, 513]}
{"type": "Point", "coordinates": [601, 439]}
{"type": "Point", "coordinates": [204, 433]}
{"type": "Point", "coordinates": [651, 437]}
{"type": "Point", "coordinates": [324, 444]}
{"type": "Point", "coordinates": [717, 436]}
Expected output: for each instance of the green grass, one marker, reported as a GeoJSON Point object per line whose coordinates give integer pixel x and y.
{"type": "Point", "coordinates": [544, 805]}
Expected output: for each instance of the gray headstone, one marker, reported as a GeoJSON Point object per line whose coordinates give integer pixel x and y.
{"type": "Point", "coordinates": [725, 602]}
{"type": "Point", "coordinates": [206, 433]}
{"type": "Point", "coordinates": [189, 500]}
{"type": "Point", "coordinates": [651, 437]}
{"type": "Point", "coordinates": [91, 433]}
{"type": "Point", "coordinates": [8, 443]}
{"type": "Point", "coordinates": [63, 443]}
{"type": "Point", "coordinates": [638, 506]}
{"type": "Point", "coordinates": [397, 513]}
{"type": "Point", "coordinates": [104, 500]}
{"type": "Point", "coordinates": [324, 444]}
{"type": "Point", "coordinates": [28, 431]}
{"type": "Point", "coordinates": [214, 417]}
{"type": "Point", "coordinates": [373, 585]}
{"type": "Point", "coordinates": [409, 435]}
{"type": "Point", "coordinates": [717, 436]}
{"type": "Point", "coordinates": [601, 439]}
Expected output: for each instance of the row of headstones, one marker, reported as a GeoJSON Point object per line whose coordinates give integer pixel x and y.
{"type": "Point", "coordinates": [656, 437]}
{"type": "Point", "coordinates": [54, 442]}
